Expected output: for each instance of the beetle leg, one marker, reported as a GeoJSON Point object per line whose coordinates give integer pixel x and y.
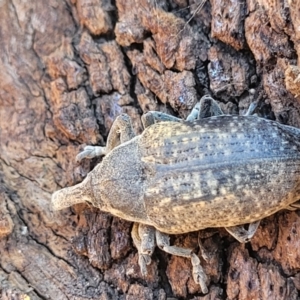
{"type": "Point", "coordinates": [251, 109]}
{"type": "Point", "coordinates": [205, 108]}
{"type": "Point", "coordinates": [121, 131]}
{"type": "Point", "coordinates": [144, 260]}
{"type": "Point", "coordinates": [143, 239]}
{"type": "Point", "coordinates": [194, 114]}
{"type": "Point", "coordinates": [147, 235]}
{"type": "Point", "coordinates": [241, 234]}
{"type": "Point", "coordinates": [204, 253]}
{"type": "Point", "coordinates": [91, 152]}
{"type": "Point", "coordinates": [294, 206]}
{"type": "Point", "coordinates": [163, 242]}
{"type": "Point", "coordinates": [152, 117]}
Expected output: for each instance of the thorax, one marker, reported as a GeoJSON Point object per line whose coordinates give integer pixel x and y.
{"type": "Point", "coordinates": [120, 182]}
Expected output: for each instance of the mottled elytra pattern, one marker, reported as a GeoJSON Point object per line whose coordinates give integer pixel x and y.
{"type": "Point", "coordinates": [219, 139]}
{"type": "Point", "coordinates": [220, 171]}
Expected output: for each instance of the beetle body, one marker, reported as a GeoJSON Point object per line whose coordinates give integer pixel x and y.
{"type": "Point", "coordinates": [217, 172]}
{"type": "Point", "coordinates": [182, 176]}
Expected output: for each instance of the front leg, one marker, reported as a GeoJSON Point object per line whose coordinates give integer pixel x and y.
{"type": "Point", "coordinates": [91, 152]}
{"type": "Point", "coordinates": [143, 237]}
{"type": "Point", "coordinates": [199, 276]}
{"type": "Point", "coordinates": [121, 131]}
{"type": "Point", "coordinates": [152, 117]}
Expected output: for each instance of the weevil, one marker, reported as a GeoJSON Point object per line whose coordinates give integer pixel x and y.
{"type": "Point", "coordinates": [211, 170]}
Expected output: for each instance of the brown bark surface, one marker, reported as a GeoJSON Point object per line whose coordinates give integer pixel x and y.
{"type": "Point", "coordinates": [68, 68]}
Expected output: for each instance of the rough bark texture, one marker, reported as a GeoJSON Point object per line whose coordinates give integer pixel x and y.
{"type": "Point", "coordinates": [68, 68]}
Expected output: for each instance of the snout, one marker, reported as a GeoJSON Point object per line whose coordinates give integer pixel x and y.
{"type": "Point", "coordinates": [69, 196]}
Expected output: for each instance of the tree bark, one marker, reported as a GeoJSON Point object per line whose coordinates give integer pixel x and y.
{"type": "Point", "coordinates": [68, 69]}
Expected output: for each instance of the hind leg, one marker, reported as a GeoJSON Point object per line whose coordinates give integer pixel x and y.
{"type": "Point", "coordinates": [294, 206]}
{"type": "Point", "coordinates": [241, 234]}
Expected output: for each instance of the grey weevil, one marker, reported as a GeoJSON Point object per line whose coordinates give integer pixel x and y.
{"type": "Point", "coordinates": [211, 170]}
